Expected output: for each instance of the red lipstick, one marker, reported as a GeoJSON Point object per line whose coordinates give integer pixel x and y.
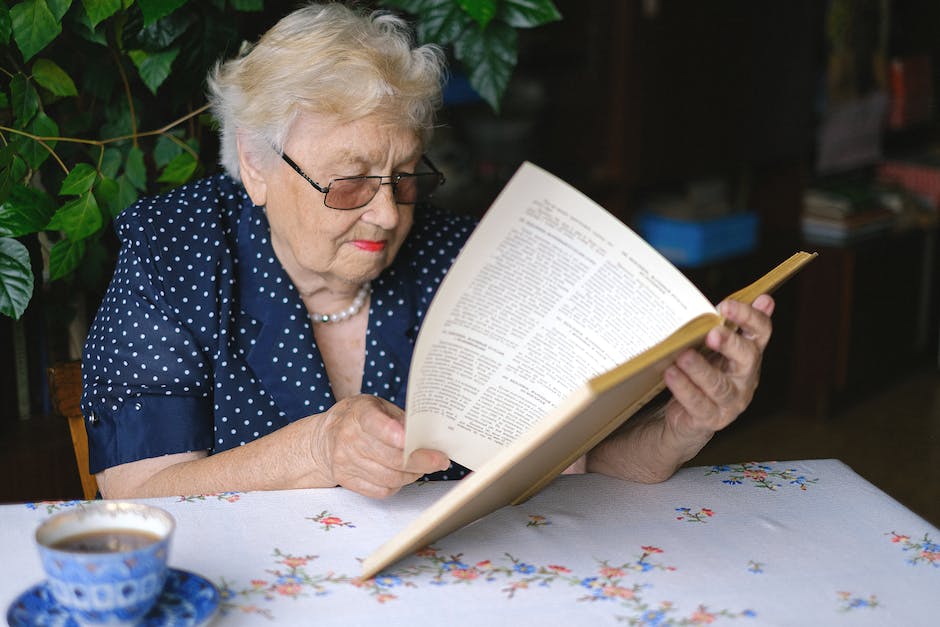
{"type": "Point", "coordinates": [372, 246]}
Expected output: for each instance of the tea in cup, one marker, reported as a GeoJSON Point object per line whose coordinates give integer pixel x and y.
{"type": "Point", "coordinates": [106, 561]}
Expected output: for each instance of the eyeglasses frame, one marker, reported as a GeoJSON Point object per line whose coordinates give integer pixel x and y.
{"type": "Point", "coordinates": [394, 180]}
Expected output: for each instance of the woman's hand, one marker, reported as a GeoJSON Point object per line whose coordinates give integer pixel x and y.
{"type": "Point", "coordinates": [360, 442]}
{"type": "Point", "coordinates": [708, 394]}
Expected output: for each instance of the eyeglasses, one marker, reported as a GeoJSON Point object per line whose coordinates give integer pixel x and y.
{"type": "Point", "coordinates": [354, 192]}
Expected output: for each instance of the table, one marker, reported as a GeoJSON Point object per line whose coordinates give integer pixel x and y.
{"type": "Point", "coordinates": [776, 543]}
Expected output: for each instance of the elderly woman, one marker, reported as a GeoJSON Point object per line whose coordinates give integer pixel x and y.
{"type": "Point", "coordinates": [259, 327]}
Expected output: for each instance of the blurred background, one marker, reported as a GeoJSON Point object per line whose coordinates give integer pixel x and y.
{"type": "Point", "coordinates": [729, 134]}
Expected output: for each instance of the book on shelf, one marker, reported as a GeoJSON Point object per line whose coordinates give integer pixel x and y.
{"type": "Point", "coordinates": [551, 329]}
{"type": "Point", "coordinates": [854, 227]}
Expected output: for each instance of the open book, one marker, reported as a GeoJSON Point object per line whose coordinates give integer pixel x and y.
{"type": "Point", "coordinates": [552, 328]}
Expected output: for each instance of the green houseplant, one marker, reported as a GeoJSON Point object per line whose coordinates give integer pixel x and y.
{"type": "Point", "coordinates": [101, 101]}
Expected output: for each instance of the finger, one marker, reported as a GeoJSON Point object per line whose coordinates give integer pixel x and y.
{"type": "Point", "coordinates": [383, 427]}
{"type": "Point", "coordinates": [376, 477]}
{"type": "Point", "coordinates": [741, 354]}
{"type": "Point", "coordinates": [688, 393]}
{"type": "Point", "coordinates": [426, 461]}
{"type": "Point", "coordinates": [716, 389]}
{"type": "Point", "coordinates": [765, 303]}
{"type": "Point", "coordinates": [753, 323]}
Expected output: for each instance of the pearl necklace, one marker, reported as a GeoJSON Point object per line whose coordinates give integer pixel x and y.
{"type": "Point", "coordinates": [350, 311]}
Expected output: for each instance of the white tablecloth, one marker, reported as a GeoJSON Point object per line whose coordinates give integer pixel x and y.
{"type": "Point", "coordinates": [776, 543]}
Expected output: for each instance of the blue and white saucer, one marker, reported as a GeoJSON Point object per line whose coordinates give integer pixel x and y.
{"type": "Point", "coordinates": [187, 600]}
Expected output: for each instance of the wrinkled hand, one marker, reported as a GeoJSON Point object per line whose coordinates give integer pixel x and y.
{"type": "Point", "coordinates": [708, 393]}
{"type": "Point", "coordinates": [360, 444]}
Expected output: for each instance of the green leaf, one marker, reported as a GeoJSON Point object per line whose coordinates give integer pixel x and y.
{"type": "Point", "coordinates": [490, 57]}
{"type": "Point", "coordinates": [81, 25]}
{"type": "Point", "coordinates": [162, 33]}
{"type": "Point", "coordinates": [78, 218]}
{"type": "Point", "coordinates": [107, 191]}
{"type": "Point", "coordinates": [49, 75]}
{"type": "Point", "coordinates": [79, 180]}
{"type": "Point", "coordinates": [179, 170]}
{"type": "Point", "coordinates": [100, 10]}
{"type": "Point", "coordinates": [248, 5]}
{"type": "Point", "coordinates": [111, 162]}
{"type": "Point", "coordinates": [134, 169]}
{"type": "Point", "coordinates": [34, 26]}
{"type": "Point", "coordinates": [528, 13]}
{"type": "Point", "coordinates": [13, 171]}
{"type": "Point", "coordinates": [127, 193]}
{"type": "Point", "coordinates": [34, 153]}
{"type": "Point", "coordinates": [59, 8]}
{"type": "Point", "coordinates": [65, 257]}
{"type": "Point", "coordinates": [153, 68]}
{"type": "Point", "coordinates": [153, 10]}
{"type": "Point", "coordinates": [482, 11]}
{"type": "Point", "coordinates": [165, 151]}
{"type": "Point", "coordinates": [6, 26]}
{"type": "Point", "coordinates": [27, 210]}
{"type": "Point", "coordinates": [16, 278]}
{"type": "Point", "coordinates": [25, 99]}
{"type": "Point", "coordinates": [443, 22]}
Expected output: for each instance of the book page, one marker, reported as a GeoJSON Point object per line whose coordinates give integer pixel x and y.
{"type": "Point", "coordinates": [550, 291]}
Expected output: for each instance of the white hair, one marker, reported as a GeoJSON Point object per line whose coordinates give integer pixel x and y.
{"type": "Point", "coordinates": [324, 59]}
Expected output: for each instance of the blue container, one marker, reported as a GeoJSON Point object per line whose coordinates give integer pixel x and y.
{"type": "Point", "coordinates": [694, 243]}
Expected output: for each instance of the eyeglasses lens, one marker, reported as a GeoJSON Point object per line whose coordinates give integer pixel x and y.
{"type": "Point", "coordinates": [353, 193]}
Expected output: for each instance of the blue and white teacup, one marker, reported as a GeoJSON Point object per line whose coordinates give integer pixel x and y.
{"type": "Point", "coordinates": [106, 561]}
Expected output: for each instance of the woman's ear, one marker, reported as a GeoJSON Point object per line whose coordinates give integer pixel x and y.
{"type": "Point", "coordinates": [253, 177]}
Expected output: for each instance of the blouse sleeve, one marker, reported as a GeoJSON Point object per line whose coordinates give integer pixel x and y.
{"type": "Point", "coordinates": [146, 380]}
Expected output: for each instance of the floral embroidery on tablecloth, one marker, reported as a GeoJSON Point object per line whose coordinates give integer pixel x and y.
{"type": "Point", "coordinates": [536, 520]}
{"type": "Point", "coordinates": [54, 506]}
{"type": "Point", "coordinates": [761, 476]}
{"type": "Point", "coordinates": [228, 497]}
{"type": "Point", "coordinates": [328, 521]}
{"type": "Point", "coordinates": [290, 580]}
{"type": "Point", "coordinates": [700, 516]}
{"type": "Point", "coordinates": [848, 602]}
{"type": "Point", "coordinates": [610, 582]}
{"type": "Point", "coordinates": [924, 551]}
{"type": "Point", "coordinates": [755, 567]}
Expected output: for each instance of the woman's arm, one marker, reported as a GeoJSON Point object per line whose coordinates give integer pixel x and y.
{"type": "Point", "coordinates": [708, 394]}
{"type": "Point", "coordinates": [357, 444]}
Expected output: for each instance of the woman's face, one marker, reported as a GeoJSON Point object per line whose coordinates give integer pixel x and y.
{"type": "Point", "coordinates": [313, 242]}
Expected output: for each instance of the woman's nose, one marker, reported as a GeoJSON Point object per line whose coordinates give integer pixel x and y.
{"type": "Point", "coordinates": [382, 210]}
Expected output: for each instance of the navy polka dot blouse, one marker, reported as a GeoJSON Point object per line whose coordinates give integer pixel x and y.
{"type": "Point", "coordinates": [203, 343]}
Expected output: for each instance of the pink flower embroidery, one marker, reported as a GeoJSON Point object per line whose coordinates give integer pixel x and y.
{"type": "Point", "coordinates": [289, 589]}
{"type": "Point", "coordinates": [618, 592]}
{"type": "Point", "coordinates": [610, 572]}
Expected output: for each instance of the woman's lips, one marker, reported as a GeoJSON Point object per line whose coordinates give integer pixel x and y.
{"type": "Point", "coordinates": [372, 246]}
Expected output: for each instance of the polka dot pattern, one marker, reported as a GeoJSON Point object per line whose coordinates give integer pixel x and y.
{"type": "Point", "coordinates": [203, 343]}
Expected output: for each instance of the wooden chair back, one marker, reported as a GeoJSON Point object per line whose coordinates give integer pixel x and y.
{"type": "Point", "coordinates": [65, 388]}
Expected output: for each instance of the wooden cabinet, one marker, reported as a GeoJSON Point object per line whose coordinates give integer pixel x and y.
{"type": "Point", "coordinates": [866, 315]}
